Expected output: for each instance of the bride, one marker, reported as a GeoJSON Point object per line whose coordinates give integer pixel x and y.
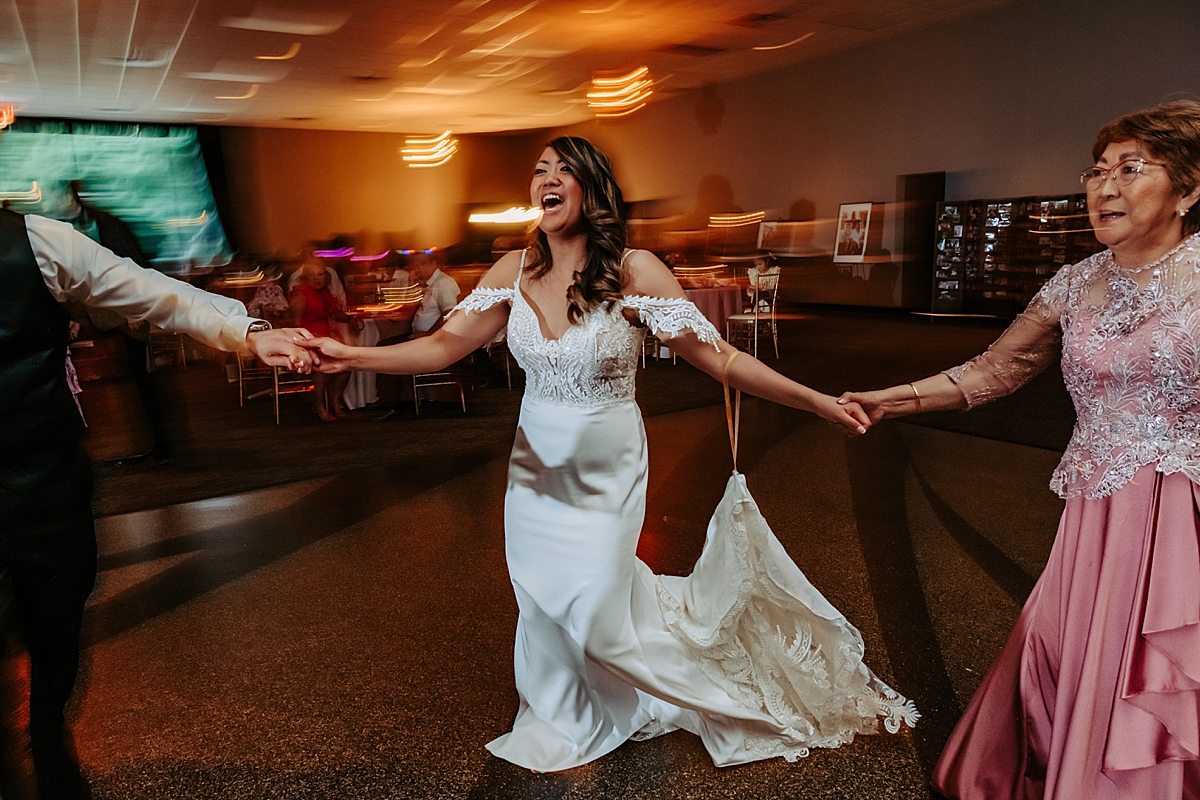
{"type": "Point", "coordinates": [744, 652]}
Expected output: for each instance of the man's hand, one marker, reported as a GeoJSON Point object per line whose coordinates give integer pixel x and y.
{"type": "Point", "coordinates": [327, 355]}
{"type": "Point", "coordinates": [278, 348]}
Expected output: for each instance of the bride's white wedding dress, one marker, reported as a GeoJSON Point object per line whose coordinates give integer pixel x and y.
{"type": "Point", "coordinates": [744, 652]}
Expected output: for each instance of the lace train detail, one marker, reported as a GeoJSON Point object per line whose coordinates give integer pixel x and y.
{"type": "Point", "coordinates": [766, 636]}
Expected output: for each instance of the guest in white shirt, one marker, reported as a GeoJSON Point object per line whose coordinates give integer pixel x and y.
{"type": "Point", "coordinates": [441, 293]}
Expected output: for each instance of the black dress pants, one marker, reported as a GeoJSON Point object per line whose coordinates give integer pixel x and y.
{"type": "Point", "coordinates": [48, 551]}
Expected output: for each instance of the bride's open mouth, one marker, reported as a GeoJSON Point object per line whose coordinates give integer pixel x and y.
{"type": "Point", "coordinates": [551, 202]}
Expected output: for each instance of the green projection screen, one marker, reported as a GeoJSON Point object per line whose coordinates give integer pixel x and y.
{"type": "Point", "coordinates": [150, 176]}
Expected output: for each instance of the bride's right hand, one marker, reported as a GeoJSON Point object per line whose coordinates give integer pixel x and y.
{"type": "Point", "coordinates": [848, 416]}
{"type": "Point", "coordinates": [328, 355]}
{"type": "Point", "coordinates": [872, 403]}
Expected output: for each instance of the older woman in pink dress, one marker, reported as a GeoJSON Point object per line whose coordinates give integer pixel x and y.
{"type": "Point", "coordinates": [1097, 693]}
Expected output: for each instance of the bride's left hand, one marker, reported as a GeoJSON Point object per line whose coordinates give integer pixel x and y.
{"type": "Point", "coordinates": [849, 417]}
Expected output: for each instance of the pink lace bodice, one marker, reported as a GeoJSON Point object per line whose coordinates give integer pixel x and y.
{"type": "Point", "coordinates": [1130, 359]}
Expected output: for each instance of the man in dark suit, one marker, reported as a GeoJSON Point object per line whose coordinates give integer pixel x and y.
{"type": "Point", "coordinates": [47, 536]}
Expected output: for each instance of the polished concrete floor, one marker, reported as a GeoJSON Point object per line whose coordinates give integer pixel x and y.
{"type": "Point", "coordinates": [350, 636]}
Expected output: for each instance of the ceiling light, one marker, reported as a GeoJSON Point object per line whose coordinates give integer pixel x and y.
{"type": "Point", "coordinates": [297, 23]}
{"type": "Point", "coordinates": [292, 52]}
{"type": "Point", "coordinates": [514, 215]}
{"type": "Point", "coordinates": [240, 72]}
{"type": "Point", "coordinates": [621, 95]}
{"type": "Point", "coordinates": [7, 117]}
{"type": "Point", "coordinates": [797, 40]}
{"type": "Point", "coordinates": [253, 91]}
{"type": "Point", "coordinates": [429, 151]}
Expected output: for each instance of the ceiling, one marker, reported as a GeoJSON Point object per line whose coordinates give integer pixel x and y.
{"type": "Point", "coordinates": [417, 66]}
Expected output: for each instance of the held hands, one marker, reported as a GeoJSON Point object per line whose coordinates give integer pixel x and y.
{"type": "Point", "coordinates": [280, 348]}
{"type": "Point", "coordinates": [327, 355]}
{"type": "Point", "coordinates": [848, 416]}
{"type": "Point", "coordinates": [870, 403]}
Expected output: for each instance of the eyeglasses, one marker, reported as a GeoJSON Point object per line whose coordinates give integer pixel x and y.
{"type": "Point", "coordinates": [1122, 173]}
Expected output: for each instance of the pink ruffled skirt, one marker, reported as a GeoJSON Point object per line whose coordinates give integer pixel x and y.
{"type": "Point", "coordinates": [1096, 695]}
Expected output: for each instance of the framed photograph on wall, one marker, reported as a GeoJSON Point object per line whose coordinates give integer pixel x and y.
{"type": "Point", "coordinates": [854, 220]}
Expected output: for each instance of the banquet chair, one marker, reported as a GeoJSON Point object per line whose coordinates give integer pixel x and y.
{"type": "Point", "coordinates": [282, 381]}
{"type": "Point", "coordinates": [162, 342]}
{"type": "Point", "coordinates": [760, 317]}
{"type": "Point", "coordinates": [652, 346]}
{"type": "Point", "coordinates": [501, 348]}
{"type": "Point", "coordinates": [427, 379]}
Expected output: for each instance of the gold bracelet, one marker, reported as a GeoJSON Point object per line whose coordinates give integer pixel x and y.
{"type": "Point", "coordinates": [917, 395]}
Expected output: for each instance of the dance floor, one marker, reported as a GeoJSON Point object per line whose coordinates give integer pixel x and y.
{"type": "Point", "coordinates": [349, 636]}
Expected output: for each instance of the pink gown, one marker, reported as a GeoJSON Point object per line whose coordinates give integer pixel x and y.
{"type": "Point", "coordinates": [1097, 693]}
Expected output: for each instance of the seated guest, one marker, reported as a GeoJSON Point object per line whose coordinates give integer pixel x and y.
{"type": "Point", "coordinates": [441, 293]}
{"type": "Point", "coordinates": [315, 308]}
{"type": "Point", "coordinates": [441, 296]}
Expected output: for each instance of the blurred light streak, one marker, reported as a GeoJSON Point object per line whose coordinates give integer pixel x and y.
{"type": "Point", "coordinates": [253, 91]}
{"type": "Point", "coordinates": [292, 52]}
{"type": "Point", "coordinates": [34, 195]}
{"type": "Point", "coordinates": [415, 63]}
{"type": "Point", "coordinates": [175, 52]}
{"type": "Point", "coordinates": [384, 254]}
{"type": "Point", "coordinates": [604, 10]}
{"type": "Point", "coordinates": [187, 222]}
{"type": "Point", "coordinates": [128, 48]}
{"type": "Point", "coordinates": [429, 151]}
{"type": "Point", "coordinates": [400, 295]}
{"type": "Point", "coordinates": [622, 95]}
{"type": "Point", "coordinates": [297, 23]}
{"type": "Point", "coordinates": [736, 220]}
{"type": "Point", "coordinates": [345, 251]}
{"type": "Point", "coordinates": [78, 51]}
{"type": "Point", "coordinates": [785, 44]}
{"type": "Point", "coordinates": [512, 215]}
{"type": "Point", "coordinates": [7, 116]}
{"type": "Point", "coordinates": [615, 114]}
{"type": "Point", "coordinates": [495, 46]}
{"type": "Point", "coordinates": [496, 20]}
{"type": "Point", "coordinates": [243, 278]}
{"type": "Point", "coordinates": [28, 51]}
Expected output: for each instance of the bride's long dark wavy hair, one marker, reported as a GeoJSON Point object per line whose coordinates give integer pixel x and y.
{"type": "Point", "coordinates": [601, 279]}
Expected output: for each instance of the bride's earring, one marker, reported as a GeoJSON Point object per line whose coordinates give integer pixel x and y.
{"type": "Point", "coordinates": [1183, 211]}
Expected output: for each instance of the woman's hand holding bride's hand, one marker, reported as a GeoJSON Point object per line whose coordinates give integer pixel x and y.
{"type": "Point", "coordinates": [328, 355]}
{"type": "Point", "coordinates": [871, 404]}
{"type": "Point", "coordinates": [848, 416]}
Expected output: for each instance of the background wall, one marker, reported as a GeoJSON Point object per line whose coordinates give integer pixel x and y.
{"type": "Point", "coordinates": [289, 187]}
{"type": "Point", "coordinates": [1006, 102]}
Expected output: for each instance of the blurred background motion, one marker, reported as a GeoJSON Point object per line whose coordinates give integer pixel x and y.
{"type": "Point", "coordinates": [152, 177]}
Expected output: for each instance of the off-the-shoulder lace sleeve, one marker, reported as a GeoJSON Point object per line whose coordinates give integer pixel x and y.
{"type": "Point", "coordinates": [669, 317]}
{"type": "Point", "coordinates": [1023, 351]}
{"type": "Point", "coordinates": [483, 298]}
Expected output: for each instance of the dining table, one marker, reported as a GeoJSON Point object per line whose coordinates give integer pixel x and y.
{"type": "Point", "coordinates": [717, 303]}
{"type": "Point", "coordinates": [380, 320]}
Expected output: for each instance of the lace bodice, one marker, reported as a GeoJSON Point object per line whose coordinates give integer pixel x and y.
{"type": "Point", "coordinates": [1130, 359]}
{"type": "Point", "coordinates": [594, 362]}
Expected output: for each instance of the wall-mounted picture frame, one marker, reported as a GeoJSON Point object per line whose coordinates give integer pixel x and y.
{"type": "Point", "coordinates": [854, 222]}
